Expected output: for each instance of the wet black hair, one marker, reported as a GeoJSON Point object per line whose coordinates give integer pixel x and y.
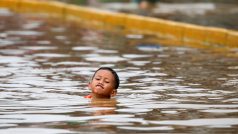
{"type": "Point", "coordinates": [117, 80]}
{"type": "Point", "coordinates": [150, 1]}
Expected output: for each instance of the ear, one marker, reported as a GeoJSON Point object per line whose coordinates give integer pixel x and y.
{"type": "Point", "coordinates": [89, 86]}
{"type": "Point", "coordinates": [113, 93]}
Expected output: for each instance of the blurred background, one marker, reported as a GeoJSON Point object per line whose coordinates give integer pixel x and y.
{"type": "Point", "coordinates": [218, 13]}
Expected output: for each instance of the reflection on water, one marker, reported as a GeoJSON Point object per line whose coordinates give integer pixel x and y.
{"type": "Point", "coordinates": [45, 67]}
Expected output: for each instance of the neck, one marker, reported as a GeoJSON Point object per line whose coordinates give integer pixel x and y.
{"type": "Point", "coordinates": [96, 96]}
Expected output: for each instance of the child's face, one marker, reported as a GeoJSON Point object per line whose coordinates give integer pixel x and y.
{"type": "Point", "coordinates": [103, 84]}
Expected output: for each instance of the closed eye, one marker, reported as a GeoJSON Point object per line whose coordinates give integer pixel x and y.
{"type": "Point", "coordinates": [97, 78]}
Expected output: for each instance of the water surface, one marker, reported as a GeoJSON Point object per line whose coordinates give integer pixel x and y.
{"type": "Point", "coordinates": [46, 64]}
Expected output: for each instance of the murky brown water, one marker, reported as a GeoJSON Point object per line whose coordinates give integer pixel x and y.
{"type": "Point", "coordinates": [46, 64]}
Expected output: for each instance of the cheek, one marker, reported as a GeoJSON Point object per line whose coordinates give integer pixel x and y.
{"type": "Point", "coordinates": [94, 83]}
{"type": "Point", "coordinates": [109, 87]}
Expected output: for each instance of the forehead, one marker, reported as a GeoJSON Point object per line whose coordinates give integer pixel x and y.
{"type": "Point", "coordinates": [104, 73]}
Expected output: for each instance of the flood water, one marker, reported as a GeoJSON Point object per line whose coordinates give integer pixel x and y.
{"type": "Point", "coordinates": [46, 64]}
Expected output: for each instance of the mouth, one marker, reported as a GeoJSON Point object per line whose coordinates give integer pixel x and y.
{"type": "Point", "coordinates": [100, 86]}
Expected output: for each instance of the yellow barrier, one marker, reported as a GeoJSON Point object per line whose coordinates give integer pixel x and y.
{"type": "Point", "coordinates": [11, 4]}
{"type": "Point", "coordinates": [50, 8]}
{"type": "Point", "coordinates": [216, 36]}
{"type": "Point", "coordinates": [232, 39]}
{"type": "Point", "coordinates": [173, 32]}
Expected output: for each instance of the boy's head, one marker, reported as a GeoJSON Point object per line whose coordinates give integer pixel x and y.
{"type": "Point", "coordinates": [104, 83]}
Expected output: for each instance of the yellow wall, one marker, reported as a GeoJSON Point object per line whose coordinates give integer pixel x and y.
{"type": "Point", "coordinates": [174, 32]}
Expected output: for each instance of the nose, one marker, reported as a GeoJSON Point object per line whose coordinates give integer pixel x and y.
{"type": "Point", "coordinates": [101, 81]}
